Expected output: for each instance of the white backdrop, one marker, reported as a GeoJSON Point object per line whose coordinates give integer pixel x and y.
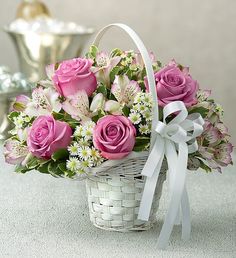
{"type": "Point", "coordinates": [198, 33]}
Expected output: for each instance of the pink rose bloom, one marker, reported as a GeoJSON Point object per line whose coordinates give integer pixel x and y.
{"type": "Point", "coordinates": [74, 75]}
{"type": "Point", "coordinates": [114, 136]}
{"type": "Point", "coordinates": [173, 84]}
{"type": "Point", "coordinates": [48, 135]}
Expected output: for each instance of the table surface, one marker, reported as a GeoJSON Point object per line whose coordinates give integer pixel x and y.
{"type": "Point", "coordinates": [41, 216]}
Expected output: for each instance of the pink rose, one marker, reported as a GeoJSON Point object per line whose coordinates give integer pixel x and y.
{"type": "Point", "coordinates": [74, 75]}
{"type": "Point", "coordinates": [173, 84]}
{"type": "Point", "coordinates": [114, 136]}
{"type": "Point", "coordinates": [48, 135]}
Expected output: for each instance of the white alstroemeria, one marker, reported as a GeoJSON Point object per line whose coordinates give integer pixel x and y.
{"type": "Point", "coordinates": [113, 107]}
{"type": "Point", "coordinates": [44, 102]}
{"type": "Point", "coordinates": [97, 103]}
{"type": "Point", "coordinates": [78, 106]}
{"type": "Point", "coordinates": [125, 90]}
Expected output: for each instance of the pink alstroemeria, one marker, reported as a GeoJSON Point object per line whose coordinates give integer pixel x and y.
{"type": "Point", "coordinates": [113, 107]}
{"type": "Point", "coordinates": [138, 60]}
{"type": "Point", "coordinates": [44, 102]}
{"type": "Point", "coordinates": [77, 106]}
{"type": "Point", "coordinates": [104, 66]}
{"type": "Point", "coordinates": [214, 146]}
{"type": "Point", "coordinates": [97, 102]}
{"type": "Point", "coordinates": [15, 152]}
{"type": "Point", "coordinates": [20, 103]}
{"type": "Point", "coordinates": [125, 90]}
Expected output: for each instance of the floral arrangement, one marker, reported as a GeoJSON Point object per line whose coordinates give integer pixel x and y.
{"type": "Point", "coordinates": [98, 108]}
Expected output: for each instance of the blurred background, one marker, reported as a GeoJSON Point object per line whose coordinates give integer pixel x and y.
{"type": "Point", "coordinates": [199, 34]}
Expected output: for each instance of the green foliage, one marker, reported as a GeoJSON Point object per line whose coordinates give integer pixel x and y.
{"type": "Point", "coordinates": [201, 110]}
{"type": "Point", "coordinates": [126, 110]}
{"type": "Point", "coordinates": [115, 71]}
{"type": "Point", "coordinates": [99, 115]}
{"type": "Point", "coordinates": [116, 52]}
{"type": "Point", "coordinates": [141, 143]}
{"type": "Point", "coordinates": [102, 89]}
{"type": "Point", "coordinates": [12, 115]}
{"type": "Point", "coordinates": [93, 50]}
{"type": "Point", "coordinates": [204, 166]}
{"type": "Point", "coordinates": [66, 118]}
{"type": "Point", "coordinates": [61, 154]}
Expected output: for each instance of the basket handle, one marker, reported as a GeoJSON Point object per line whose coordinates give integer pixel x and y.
{"type": "Point", "coordinates": [148, 66]}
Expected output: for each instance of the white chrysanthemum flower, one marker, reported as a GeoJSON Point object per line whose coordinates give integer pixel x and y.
{"type": "Point", "coordinates": [84, 153]}
{"type": "Point", "coordinates": [90, 124]}
{"type": "Point", "coordinates": [135, 118]}
{"type": "Point", "coordinates": [148, 100]}
{"type": "Point", "coordinates": [147, 115]}
{"type": "Point", "coordinates": [142, 108]}
{"type": "Point", "coordinates": [85, 164]}
{"type": "Point", "coordinates": [19, 121]}
{"type": "Point", "coordinates": [94, 154]}
{"type": "Point", "coordinates": [78, 131]}
{"type": "Point", "coordinates": [87, 133]}
{"type": "Point", "coordinates": [73, 149]}
{"type": "Point", "coordinates": [143, 129]}
{"type": "Point", "coordinates": [73, 164]}
{"type": "Point", "coordinates": [83, 142]}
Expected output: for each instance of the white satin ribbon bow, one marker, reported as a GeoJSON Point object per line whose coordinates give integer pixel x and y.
{"type": "Point", "coordinates": [174, 140]}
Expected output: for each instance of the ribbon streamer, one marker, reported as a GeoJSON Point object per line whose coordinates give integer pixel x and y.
{"type": "Point", "coordinates": [174, 140]}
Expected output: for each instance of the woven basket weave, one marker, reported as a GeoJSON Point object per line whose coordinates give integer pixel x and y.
{"type": "Point", "coordinates": [114, 197]}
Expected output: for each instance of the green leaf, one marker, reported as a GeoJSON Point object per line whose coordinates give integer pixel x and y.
{"type": "Point", "coordinates": [114, 72]}
{"type": "Point", "coordinates": [102, 89]}
{"type": "Point", "coordinates": [126, 110]}
{"type": "Point", "coordinates": [61, 154]}
{"type": "Point", "coordinates": [116, 52]}
{"type": "Point", "coordinates": [201, 110]}
{"type": "Point", "coordinates": [141, 143]}
{"type": "Point", "coordinates": [54, 170]}
{"type": "Point", "coordinates": [33, 163]}
{"type": "Point", "coordinates": [12, 115]}
{"type": "Point", "coordinates": [43, 168]}
{"type": "Point", "coordinates": [21, 169]}
{"type": "Point", "coordinates": [93, 50]}
{"type": "Point", "coordinates": [204, 166]}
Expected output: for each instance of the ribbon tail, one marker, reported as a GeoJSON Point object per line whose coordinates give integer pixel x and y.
{"type": "Point", "coordinates": [186, 218]}
{"type": "Point", "coordinates": [149, 191]}
{"type": "Point", "coordinates": [176, 196]}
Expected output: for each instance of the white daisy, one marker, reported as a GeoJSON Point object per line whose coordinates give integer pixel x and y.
{"type": "Point", "coordinates": [135, 118]}
{"type": "Point", "coordinates": [84, 153]}
{"type": "Point", "coordinates": [78, 131]}
{"type": "Point", "coordinates": [143, 129]}
{"type": "Point", "coordinates": [87, 133]}
{"type": "Point", "coordinates": [83, 142]}
{"type": "Point", "coordinates": [73, 149]}
{"type": "Point", "coordinates": [73, 164]}
{"type": "Point", "coordinates": [147, 115]}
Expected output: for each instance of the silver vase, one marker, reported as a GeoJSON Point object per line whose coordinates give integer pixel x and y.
{"type": "Point", "coordinates": [36, 50]}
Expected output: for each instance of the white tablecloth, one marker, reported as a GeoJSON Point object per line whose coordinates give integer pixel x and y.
{"type": "Point", "coordinates": [41, 216]}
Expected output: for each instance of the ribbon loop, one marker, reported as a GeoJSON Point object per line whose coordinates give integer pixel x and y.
{"type": "Point", "coordinates": [174, 140]}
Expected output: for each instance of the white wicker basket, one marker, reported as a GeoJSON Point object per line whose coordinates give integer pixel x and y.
{"type": "Point", "coordinates": [114, 196]}
{"type": "Point", "coordinates": [115, 191]}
